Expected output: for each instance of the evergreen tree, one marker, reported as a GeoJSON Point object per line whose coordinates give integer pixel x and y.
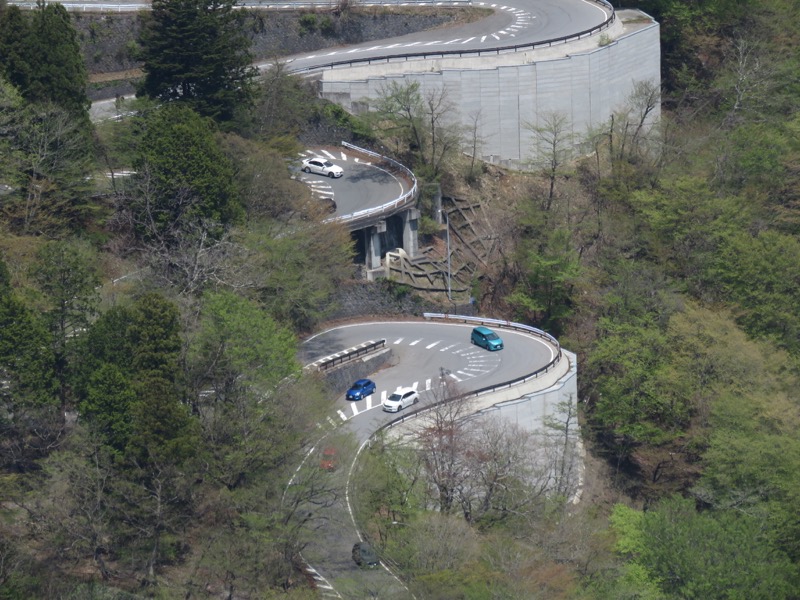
{"type": "Point", "coordinates": [184, 182]}
{"type": "Point", "coordinates": [196, 51]}
{"type": "Point", "coordinates": [26, 361]}
{"type": "Point", "coordinates": [42, 58]}
{"type": "Point", "coordinates": [58, 74]}
{"type": "Point", "coordinates": [65, 273]}
{"type": "Point", "coordinates": [15, 47]}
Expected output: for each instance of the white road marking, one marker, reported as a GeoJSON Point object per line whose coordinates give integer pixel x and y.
{"type": "Point", "coordinates": [446, 348]}
{"type": "Point", "coordinates": [328, 154]}
{"type": "Point", "coordinates": [468, 40]}
{"type": "Point", "coordinates": [429, 346]}
{"type": "Point", "coordinates": [415, 342]}
{"type": "Point", "coordinates": [398, 340]}
{"type": "Point", "coordinates": [342, 415]}
{"type": "Point", "coordinates": [495, 36]}
{"type": "Point", "coordinates": [427, 384]}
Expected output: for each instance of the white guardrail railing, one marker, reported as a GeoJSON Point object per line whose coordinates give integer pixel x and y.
{"type": "Point", "coordinates": [492, 388]}
{"type": "Point", "coordinates": [270, 5]}
{"type": "Point", "coordinates": [385, 209]}
{"type": "Point", "coordinates": [490, 50]}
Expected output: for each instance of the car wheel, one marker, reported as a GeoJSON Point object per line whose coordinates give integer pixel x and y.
{"type": "Point", "coordinates": [306, 170]}
{"type": "Point", "coordinates": [415, 400]}
{"type": "Point", "coordinates": [331, 175]}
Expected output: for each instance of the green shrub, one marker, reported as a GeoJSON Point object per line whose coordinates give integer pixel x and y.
{"type": "Point", "coordinates": [308, 23]}
{"type": "Point", "coordinates": [327, 26]}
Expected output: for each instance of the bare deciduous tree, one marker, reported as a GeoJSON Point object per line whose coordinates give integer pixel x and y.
{"type": "Point", "coordinates": [553, 147]}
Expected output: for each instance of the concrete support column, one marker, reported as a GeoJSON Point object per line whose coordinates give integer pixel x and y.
{"type": "Point", "coordinates": [411, 231]}
{"type": "Point", "coordinates": [374, 245]}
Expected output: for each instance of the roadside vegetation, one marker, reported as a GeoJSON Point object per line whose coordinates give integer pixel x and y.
{"type": "Point", "coordinates": [157, 271]}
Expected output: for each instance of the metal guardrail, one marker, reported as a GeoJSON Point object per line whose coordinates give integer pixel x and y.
{"type": "Point", "coordinates": [350, 355]}
{"type": "Point", "coordinates": [269, 5]}
{"type": "Point", "coordinates": [489, 389]}
{"type": "Point", "coordinates": [496, 51]}
{"type": "Point", "coordinates": [389, 207]}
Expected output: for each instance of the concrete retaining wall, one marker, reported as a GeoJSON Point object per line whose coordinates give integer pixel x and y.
{"type": "Point", "coordinates": [585, 81]}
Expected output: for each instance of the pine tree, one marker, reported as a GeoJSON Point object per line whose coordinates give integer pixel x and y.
{"type": "Point", "coordinates": [195, 51]}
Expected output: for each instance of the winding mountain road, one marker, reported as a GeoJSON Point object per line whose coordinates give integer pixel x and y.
{"type": "Point", "coordinates": [512, 23]}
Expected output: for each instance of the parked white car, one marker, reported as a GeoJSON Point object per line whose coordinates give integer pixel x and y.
{"type": "Point", "coordinates": [401, 399]}
{"type": "Point", "coordinates": [320, 166]}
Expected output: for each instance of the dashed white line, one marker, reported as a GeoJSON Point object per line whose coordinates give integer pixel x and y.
{"type": "Point", "coordinates": [429, 346]}
{"type": "Point", "coordinates": [342, 415]}
{"type": "Point", "coordinates": [398, 340]}
{"type": "Point", "coordinates": [415, 342]}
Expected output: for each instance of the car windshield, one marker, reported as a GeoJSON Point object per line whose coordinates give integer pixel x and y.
{"type": "Point", "coordinates": [328, 163]}
{"type": "Point", "coordinates": [395, 398]}
{"type": "Point", "coordinates": [360, 385]}
{"type": "Point", "coordinates": [492, 336]}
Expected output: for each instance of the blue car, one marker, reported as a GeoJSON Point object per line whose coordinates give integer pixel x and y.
{"type": "Point", "coordinates": [486, 338]}
{"type": "Point", "coordinates": [360, 389]}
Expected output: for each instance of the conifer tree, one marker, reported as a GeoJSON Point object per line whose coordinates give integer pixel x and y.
{"type": "Point", "coordinates": [42, 58]}
{"type": "Point", "coordinates": [195, 51]}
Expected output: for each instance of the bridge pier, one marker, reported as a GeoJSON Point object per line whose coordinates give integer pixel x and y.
{"type": "Point", "coordinates": [410, 231]}
{"type": "Point", "coordinates": [373, 249]}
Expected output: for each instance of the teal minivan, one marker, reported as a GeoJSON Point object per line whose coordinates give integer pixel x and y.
{"type": "Point", "coordinates": [486, 338]}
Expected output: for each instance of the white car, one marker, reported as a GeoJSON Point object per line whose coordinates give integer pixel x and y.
{"type": "Point", "coordinates": [320, 166]}
{"type": "Point", "coordinates": [401, 399]}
